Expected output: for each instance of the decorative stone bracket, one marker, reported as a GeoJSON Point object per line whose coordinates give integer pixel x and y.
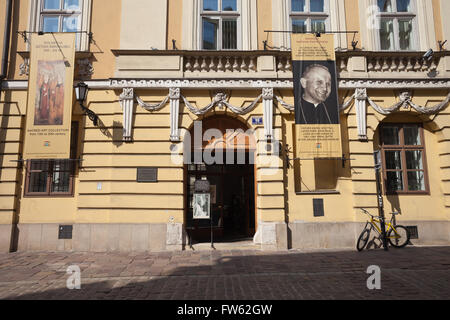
{"type": "Point", "coordinates": [126, 100]}
{"type": "Point", "coordinates": [267, 94]}
{"type": "Point", "coordinates": [174, 96]}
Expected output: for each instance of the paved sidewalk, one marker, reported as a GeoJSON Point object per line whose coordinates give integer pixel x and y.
{"type": "Point", "coordinates": [408, 273]}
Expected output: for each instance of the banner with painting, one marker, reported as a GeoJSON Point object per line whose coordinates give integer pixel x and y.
{"type": "Point", "coordinates": [317, 128]}
{"type": "Point", "coordinates": [50, 90]}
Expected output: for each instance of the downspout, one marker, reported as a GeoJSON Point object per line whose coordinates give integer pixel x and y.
{"type": "Point", "coordinates": [6, 43]}
{"type": "Point", "coordinates": [3, 76]}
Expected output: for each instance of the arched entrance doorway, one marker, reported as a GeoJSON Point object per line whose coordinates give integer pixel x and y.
{"type": "Point", "coordinates": [222, 151]}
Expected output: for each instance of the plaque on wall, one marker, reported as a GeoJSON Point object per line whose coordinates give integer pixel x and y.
{"type": "Point", "coordinates": [147, 174]}
{"type": "Point", "coordinates": [201, 186]}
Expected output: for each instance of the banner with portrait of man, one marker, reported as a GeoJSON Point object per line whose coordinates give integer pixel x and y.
{"type": "Point", "coordinates": [317, 128]}
{"type": "Point", "coordinates": [50, 90]}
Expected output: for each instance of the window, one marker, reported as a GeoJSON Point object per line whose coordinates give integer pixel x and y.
{"type": "Point", "coordinates": [404, 163]}
{"type": "Point", "coordinates": [309, 15]}
{"type": "Point", "coordinates": [47, 178]}
{"type": "Point", "coordinates": [220, 23]}
{"type": "Point", "coordinates": [396, 24]}
{"type": "Point", "coordinates": [63, 16]}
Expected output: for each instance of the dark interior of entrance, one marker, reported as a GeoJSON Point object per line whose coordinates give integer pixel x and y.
{"type": "Point", "coordinates": [232, 197]}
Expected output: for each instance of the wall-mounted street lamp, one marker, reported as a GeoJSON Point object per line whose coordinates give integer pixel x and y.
{"type": "Point", "coordinates": [81, 90]}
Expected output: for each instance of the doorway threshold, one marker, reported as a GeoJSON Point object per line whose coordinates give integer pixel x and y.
{"type": "Point", "coordinates": [244, 244]}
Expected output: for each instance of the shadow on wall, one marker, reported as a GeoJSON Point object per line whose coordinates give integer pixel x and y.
{"type": "Point", "coordinates": [244, 275]}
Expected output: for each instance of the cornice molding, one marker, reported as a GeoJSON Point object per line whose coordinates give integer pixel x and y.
{"type": "Point", "coordinates": [112, 84]}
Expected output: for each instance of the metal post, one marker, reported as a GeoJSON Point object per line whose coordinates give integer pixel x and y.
{"type": "Point", "coordinates": [212, 241]}
{"type": "Point", "coordinates": [377, 158]}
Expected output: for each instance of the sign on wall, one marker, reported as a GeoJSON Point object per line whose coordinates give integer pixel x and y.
{"type": "Point", "coordinates": [317, 129]}
{"type": "Point", "coordinates": [50, 90]}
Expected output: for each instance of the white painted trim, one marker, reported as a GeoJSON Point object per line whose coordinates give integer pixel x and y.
{"type": "Point", "coordinates": [243, 84]}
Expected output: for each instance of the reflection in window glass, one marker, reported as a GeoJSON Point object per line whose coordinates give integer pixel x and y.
{"type": "Point", "coordinates": [405, 30]}
{"type": "Point", "coordinates": [393, 160]}
{"type": "Point", "coordinates": [210, 27]}
{"type": "Point", "coordinates": [210, 5]}
{"type": "Point", "coordinates": [50, 24]}
{"type": "Point", "coordinates": [70, 24]}
{"type": "Point", "coordinates": [394, 181]}
{"type": "Point", "coordinates": [51, 4]}
{"type": "Point", "coordinates": [229, 5]}
{"type": "Point", "coordinates": [414, 159]}
{"type": "Point", "coordinates": [390, 135]}
{"type": "Point", "coordinates": [318, 25]}
{"type": "Point", "coordinates": [403, 5]}
{"type": "Point", "coordinates": [298, 5]}
{"type": "Point", "coordinates": [317, 6]}
{"type": "Point", "coordinates": [412, 135]}
{"type": "Point", "coordinates": [229, 34]}
{"type": "Point", "coordinates": [385, 5]}
{"type": "Point", "coordinates": [72, 4]}
{"type": "Point", "coordinates": [298, 26]}
{"type": "Point", "coordinates": [416, 181]}
{"type": "Point", "coordinates": [387, 34]}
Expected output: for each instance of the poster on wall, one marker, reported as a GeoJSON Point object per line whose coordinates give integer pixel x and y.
{"type": "Point", "coordinates": [50, 90]}
{"type": "Point", "coordinates": [317, 129]}
{"type": "Point", "coordinates": [201, 206]}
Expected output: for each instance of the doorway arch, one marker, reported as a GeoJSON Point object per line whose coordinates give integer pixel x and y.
{"type": "Point", "coordinates": [222, 151]}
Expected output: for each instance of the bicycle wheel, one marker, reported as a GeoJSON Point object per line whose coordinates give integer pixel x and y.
{"type": "Point", "coordinates": [399, 237]}
{"type": "Point", "coordinates": [363, 239]}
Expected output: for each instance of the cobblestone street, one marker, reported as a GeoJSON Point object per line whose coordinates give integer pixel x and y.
{"type": "Point", "coordinates": [409, 273]}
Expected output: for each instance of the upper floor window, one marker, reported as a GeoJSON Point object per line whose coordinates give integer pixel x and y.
{"type": "Point", "coordinates": [403, 154]}
{"type": "Point", "coordinates": [220, 24]}
{"type": "Point", "coordinates": [63, 16]}
{"type": "Point", "coordinates": [396, 24]}
{"type": "Point", "coordinates": [309, 15]}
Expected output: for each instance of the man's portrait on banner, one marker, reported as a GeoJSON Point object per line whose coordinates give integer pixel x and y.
{"type": "Point", "coordinates": [317, 97]}
{"type": "Point", "coordinates": [49, 103]}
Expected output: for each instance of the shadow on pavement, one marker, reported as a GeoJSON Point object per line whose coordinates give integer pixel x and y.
{"type": "Point", "coordinates": [408, 273]}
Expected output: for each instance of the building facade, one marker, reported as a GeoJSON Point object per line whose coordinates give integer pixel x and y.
{"type": "Point", "coordinates": [189, 90]}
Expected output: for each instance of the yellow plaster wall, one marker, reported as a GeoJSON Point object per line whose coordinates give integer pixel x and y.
{"type": "Point", "coordinates": [174, 28]}
{"type": "Point", "coordinates": [105, 26]}
{"type": "Point", "coordinates": [264, 22]}
{"type": "Point", "coordinates": [437, 21]}
{"type": "Point", "coordinates": [352, 22]}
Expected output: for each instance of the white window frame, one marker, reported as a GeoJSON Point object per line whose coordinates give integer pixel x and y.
{"type": "Point", "coordinates": [395, 17]}
{"type": "Point", "coordinates": [308, 15]}
{"type": "Point", "coordinates": [221, 15]}
{"type": "Point", "coordinates": [37, 13]}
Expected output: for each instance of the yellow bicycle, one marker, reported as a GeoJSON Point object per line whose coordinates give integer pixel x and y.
{"type": "Point", "coordinates": [397, 235]}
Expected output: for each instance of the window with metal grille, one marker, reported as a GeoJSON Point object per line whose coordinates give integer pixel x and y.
{"type": "Point", "coordinates": [220, 24]}
{"type": "Point", "coordinates": [404, 161]}
{"type": "Point", "coordinates": [48, 178]}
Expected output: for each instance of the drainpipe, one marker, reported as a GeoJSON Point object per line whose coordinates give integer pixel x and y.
{"type": "Point", "coordinates": [6, 42]}
{"type": "Point", "coordinates": [3, 75]}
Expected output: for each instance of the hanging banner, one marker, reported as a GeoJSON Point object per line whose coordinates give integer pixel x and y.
{"type": "Point", "coordinates": [50, 90]}
{"type": "Point", "coordinates": [317, 129]}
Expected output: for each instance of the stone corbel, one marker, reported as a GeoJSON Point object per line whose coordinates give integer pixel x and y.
{"type": "Point", "coordinates": [174, 96]}
{"type": "Point", "coordinates": [361, 112]}
{"type": "Point", "coordinates": [267, 94]}
{"type": "Point", "coordinates": [126, 100]}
